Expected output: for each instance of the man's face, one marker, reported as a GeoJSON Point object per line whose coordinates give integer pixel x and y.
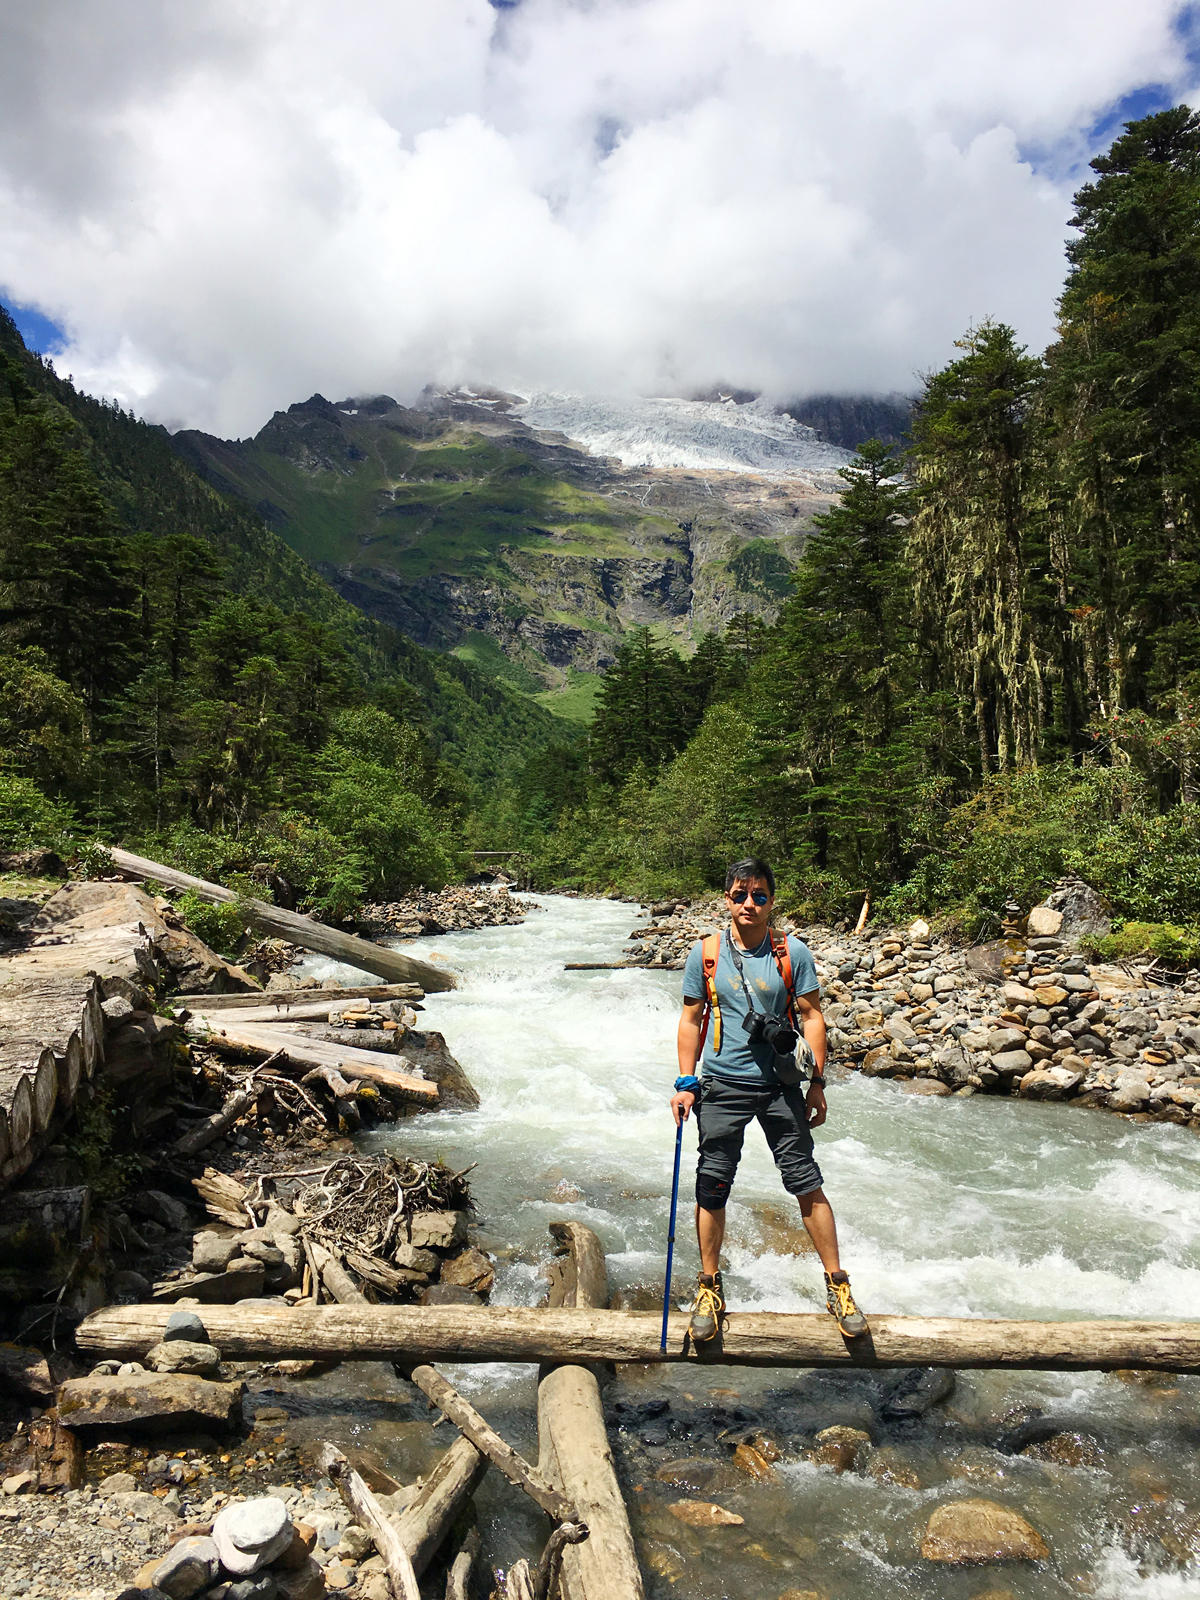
{"type": "Point", "coordinates": [750, 918]}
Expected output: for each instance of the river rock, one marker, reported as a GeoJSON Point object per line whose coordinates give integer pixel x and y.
{"type": "Point", "coordinates": [839, 1447]}
{"type": "Point", "coordinates": [1044, 922]}
{"type": "Point", "coordinates": [1016, 994]}
{"type": "Point", "coordinates": [250, 1535]}
{"type": "Point", "coordinates": [703, 1514]}
{"type": "Point", "coordinates": [930, 1087]}
{"type": "Point", "coordinates": [698, 1472]}
{"type": "Point", "coordinates": [148, 1402]}
{"type": "Point", "coordinates": [469, 1269]}
{"type": "Point", "coordinates": [1067, 1450]}
{"type": "Point", "coordinates": [880, 1063]}
{"type": "Point", "coordinates": [262, 1586]}
{"type": "Point", "coordinates": [437, 1230]}
{"type": "Point", "coordinates": [117, 1483]}
{"type": "Point", "coordinates": [182, 1355]}
{"type": "Point", "coordinates": [974, 1531]}
{"type": "Point", "coordinates": [1050, 1083]}
{"type": "Point", "coordinates": [945, 983]}
{"type": "Point", "coordinates": [186, 1325]}
{"type": "Point", "coordinates": [1130, 1094]}
{"type": "Point", "coordinates": [191, 1565]}
{"type": "Point", "coordinates": [1012, 1063]}
{"type": "Point", "coordinates": [917, 1390]}
{"type": "Point", "coordinates": [241, 1280]}
{"type": "Point", "coordinates": [448, 1294]}
{"type": "Point", "coordinates": [162, 1208]}
{"type": "Point", "coordinates": [1001, 1040]}
{"type": "Point", "coordinates": [887, 1466]}
{"type": "Point", "coordinates": [211, 1253]}
{"type": "Point", "coordinates": [1050, 995]}
{"type": "Point", "coordinates": [754, 1464]}
{"type": "Point", "coordinates": [898, 1029]}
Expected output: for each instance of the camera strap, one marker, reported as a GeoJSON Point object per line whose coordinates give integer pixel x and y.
{"type": "Point", "coordinates": [784, 965]}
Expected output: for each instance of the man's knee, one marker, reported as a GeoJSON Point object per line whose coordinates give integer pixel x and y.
{"type": "Point", "coordinates": [712, 1193]}
{"type": "Point", "coordinates": [813, 1197]}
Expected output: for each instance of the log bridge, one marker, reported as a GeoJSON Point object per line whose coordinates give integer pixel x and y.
{"type": "Point", "coordinates": [410, 1335]}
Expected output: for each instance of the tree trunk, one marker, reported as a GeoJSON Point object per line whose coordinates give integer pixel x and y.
{"type": "Point", "coordinates": [574, 1452]}
{"type": "Point", "coordinates": [286, 1005]}
{"type": "Point", "coordinates": [390, 965]}
{"type": "Point", "coordinates": [266, 1039]}
{"type": "Point", "coordinates": [415, 1334]}
{"type": "Point", "coordinates": [424, 1524]}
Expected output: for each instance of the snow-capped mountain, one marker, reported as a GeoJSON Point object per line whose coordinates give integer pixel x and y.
{"type": "Point", "coordinates": [704, 435]}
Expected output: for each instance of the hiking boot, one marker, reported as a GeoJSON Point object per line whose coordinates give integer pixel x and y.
{"type": "Point", "coordinates": [709, 1308]}
{"type": "Point", "coordinates": [841, 1305]}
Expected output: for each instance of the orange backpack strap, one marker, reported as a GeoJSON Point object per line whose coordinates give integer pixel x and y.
{"type": "Point", "coordinates": [710, 954]}
{"type": "Point", "coordinates": [783, 960]}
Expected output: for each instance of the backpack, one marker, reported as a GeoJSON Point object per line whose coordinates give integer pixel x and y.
{"type": "Point", "coordinates": [710, 954]}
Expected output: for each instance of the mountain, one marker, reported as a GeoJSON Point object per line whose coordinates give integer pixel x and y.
{"type": "Point", "coordinates": [480, 724]}
{"type": "Point", "coordinates": [528, 534]}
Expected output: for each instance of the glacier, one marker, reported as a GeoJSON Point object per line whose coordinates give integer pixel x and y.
{"type": "Point", "coordinates": [722, 435]}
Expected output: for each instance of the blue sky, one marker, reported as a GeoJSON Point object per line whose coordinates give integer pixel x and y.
{"type": "Point", "coordinates": [38, 332]}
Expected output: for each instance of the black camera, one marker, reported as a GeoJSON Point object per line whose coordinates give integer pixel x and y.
{"type": "Point", "coordinates": [772, 1031]}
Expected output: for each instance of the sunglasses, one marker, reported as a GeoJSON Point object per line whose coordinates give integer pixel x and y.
{"type": "Point", "coordinates": [760, 897]}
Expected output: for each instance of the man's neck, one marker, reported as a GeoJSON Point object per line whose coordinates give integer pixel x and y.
{"type": "Point", "coordinates": [750, 942]}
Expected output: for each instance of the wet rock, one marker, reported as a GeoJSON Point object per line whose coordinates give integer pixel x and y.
{"type": "Point", "coordinates": [1067, 1450]}
{"type": "Point", "coordinates": [438, 1230]}
{"type": "Point", "coordinates": [186, 1325]}
{"type": "Point", "coordinates": [748, 1460]}
{"type": "Point", "coordinates": [703, 1514]}
{"type": "Point", "coordinates": [840, 1448]}
{"type": "Point", "coordinates": [916, 1391]}
{"type": "Point", "coordinates": [887, 1466]}
{"type": "Point", "coordinates": [469, 1269]}
{"type": "Point", "coordinates": [698, 1472]}
{"type": "Point", "coordinates": [930, 1087]}
{"type": "Point", "coordinates": [149, 1402]}
{"type": "Point", "coordinates": [974, 1531]}
{"type": "Point", "coordinates": [880, 1063]}
{"type": "Point", "coordinates": [448, 1294]}
{"type": "Point", "coordinates": [191, 1565]}
{"type": "Point", "coordinates": [182, 1355]}
{"type": "Point", "coordinates": [1049, 1083]}
{"type": "Point", "coordinates": [250, 1535]}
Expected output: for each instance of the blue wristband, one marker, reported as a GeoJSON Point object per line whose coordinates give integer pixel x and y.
{"type": "Point", "coordinates": [691, 1083]}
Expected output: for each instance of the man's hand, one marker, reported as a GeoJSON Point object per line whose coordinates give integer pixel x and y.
{"type": "Point", "coordinates": [814, 1102]}
{"type": "Point", "coordinates": [681, 1105]}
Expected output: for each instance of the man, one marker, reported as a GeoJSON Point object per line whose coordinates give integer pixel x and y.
{"type": "Point", "coordinates": [727, 979]}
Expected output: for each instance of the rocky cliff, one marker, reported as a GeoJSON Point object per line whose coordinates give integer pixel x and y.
{"type": "Point", "coordinates": [470, 530]}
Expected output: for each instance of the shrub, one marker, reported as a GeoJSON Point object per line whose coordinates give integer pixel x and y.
{"type": "Point", "coordinates": [1162, 939]}
{"type": "Point", "coordinates": [28, 818]}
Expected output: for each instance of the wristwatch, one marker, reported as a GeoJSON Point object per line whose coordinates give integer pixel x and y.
{"type": "Point", "coordinates": [817, 1081]}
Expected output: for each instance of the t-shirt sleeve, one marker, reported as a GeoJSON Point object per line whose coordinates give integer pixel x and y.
{"type": "Point", "coordinates": [693, 973]}
{"type": "Point", "coordinates": [804, 968]}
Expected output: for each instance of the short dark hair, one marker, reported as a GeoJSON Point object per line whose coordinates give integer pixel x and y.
{"type": "Point", "coordinates": [751, 867]}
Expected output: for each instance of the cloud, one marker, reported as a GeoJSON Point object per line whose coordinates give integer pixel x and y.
{"type": "Point", "coordinates": [226, 207]}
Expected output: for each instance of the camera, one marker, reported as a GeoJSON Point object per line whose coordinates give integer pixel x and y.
{"type": "Point", "coordinates": [772, 1031]}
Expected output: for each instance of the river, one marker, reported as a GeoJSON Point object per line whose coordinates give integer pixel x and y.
{"type": "Point", "coordinates": [976, 1207]}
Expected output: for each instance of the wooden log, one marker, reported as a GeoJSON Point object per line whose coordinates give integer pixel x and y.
{"type": "Point", "coordinates": [419, 1334]}
{"type": "Point", "coordinates": [392, 1280]}
{"type": "Point", "coordinates": [213, 1127]}
{"type": "Point", "coordinates": [423, 1525]}
{"type": "Point", "coordinates": [334, 1276]}
{"type": "Point", "coordinates": [290, 1002]}
{"type": "Point", "coordinates": [263, 1039]}
{"type": "Point", "coordinates": [549, 1569]}
{"type": "Point", "coordinates": [391, 965]}
{"type": "Point", "coordinates": [518, 1581]}
{"type": "Point", "coordinates": [486, 1440]}
{"type": "Point", "coordinates": [367, 1511]}
{"type": "Point", "coordinates": [458, 1579]}
{"type": "Point", "coordinates": [574, 1452]}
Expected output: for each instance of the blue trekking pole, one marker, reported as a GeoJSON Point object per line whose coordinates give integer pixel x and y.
{"type": "Point", "coordinates": [671, 1233]}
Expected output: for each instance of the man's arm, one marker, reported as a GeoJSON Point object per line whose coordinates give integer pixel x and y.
{"type": "Point", "coordinates": [687, 1044]}
{"type": "Point", "coordinates": [812, 1025]}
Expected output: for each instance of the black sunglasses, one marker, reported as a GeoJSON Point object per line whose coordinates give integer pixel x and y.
{"type": "Point", "coordinates": [759, 896]}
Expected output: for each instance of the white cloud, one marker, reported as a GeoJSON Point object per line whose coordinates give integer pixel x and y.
{"type": "Point", "coordinates": [228, 206]}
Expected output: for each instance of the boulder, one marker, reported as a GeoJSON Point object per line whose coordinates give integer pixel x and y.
{"type": "Point", "coordinates": [191, 1565]}
{"type": "Point", "coordinates": [1049, 1083]}
{"type": "Point", "coordinates": [212, 1253]}
{"type": "Point", "coordinates": [182, 1355]}
{"type": "Point", "coordinates": [469, 1269]}
{"type": "Point", "coordinates": [1084, 913]}
{"type": "Point", "coordinates": [163, 1208]}
{"type": "Point", "coordinates": [973, 1531]}
{"type": "Point", "coordinates": [149, 1402]}
{"type": "Point", "coordinates": [25, 1373]}
{"type": "Point", "coordinates": [1044, 922]}
{"type": "Point", "coordinates": [238, 1282]}
{"type": "Point", "coordinates": [438, 1230]}
{"type": "Point", "coordinates": [880, 1063]}
{"type": "Point", "coordinates": [249, 1536]}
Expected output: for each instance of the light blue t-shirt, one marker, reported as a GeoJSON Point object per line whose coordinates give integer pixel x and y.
{"type": "Point", "coordinates": [738, 1057]}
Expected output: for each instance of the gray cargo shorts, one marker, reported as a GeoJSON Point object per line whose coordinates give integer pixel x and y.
{"type": "Point", "coordinates": [722, 1112]}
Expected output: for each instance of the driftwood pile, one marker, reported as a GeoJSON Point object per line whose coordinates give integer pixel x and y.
{"type": "Point", "coordinates": [351, 1231]}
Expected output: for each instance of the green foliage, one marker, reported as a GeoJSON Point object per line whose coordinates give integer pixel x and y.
{"type": "Point", "coordinates": [110, 1163]}
{"type": "Point", "coordinates": [760, 567]}
{"type": "Point", "coordinates": [1161, 939]}
{"type": "Point", "coordinates": [222, 927]}
{"type": "Point", "coordinates": [1146, 863]}
{"type": "Point", "coordinates": [28, 818]}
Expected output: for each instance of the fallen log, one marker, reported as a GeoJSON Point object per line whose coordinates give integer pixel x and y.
{"type": "Point", "coordinates": [391, 965]}
{"type": "Point", "coordinates": [418, 1334]}
{"type": "Point", "coordinates": [264, 1039]}
{"type": "Point", "coordinates": [489, 1443]}
{"type": "Point", "coordinates": [294, 1002]}
{"type": "Point", "coordinates": [368, 1512]}
{"type": "Point", "coordinates": [458, 1579]}
{"type": "Point", "coordinates": [574, 1453]}
{"type": "Point", "coordinates": [334, 1276]}
{"type": "Point", "coordinates": [424, 1524]}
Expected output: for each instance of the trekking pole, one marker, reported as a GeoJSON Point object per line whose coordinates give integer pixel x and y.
{"type": "Point", "coordinates": [671, 1233]}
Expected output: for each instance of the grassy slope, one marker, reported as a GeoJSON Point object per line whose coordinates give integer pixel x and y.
{"type": "Point", "coordinates": [485, 727]}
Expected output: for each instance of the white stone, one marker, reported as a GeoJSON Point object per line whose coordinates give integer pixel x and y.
{"type": "Point", "coordinates": [250, 1535]}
